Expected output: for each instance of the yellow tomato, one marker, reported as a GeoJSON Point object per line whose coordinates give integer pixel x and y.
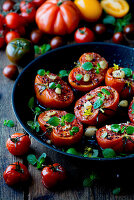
{"type": "Point", "coordinates": [116, 8]}
{"type": "Point", "coordinates": [90, 10]}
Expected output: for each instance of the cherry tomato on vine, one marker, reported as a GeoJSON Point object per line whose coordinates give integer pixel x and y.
{"type": "Point", "coordinates": [25, 6]}
{"type": "Point", "coordinates": [8, 5]}
{"type": "Point", "coordinates": [16, 173]}
{"type": "Point", "coordinates": [53, 175]}
{"type": "Point", "coordinates": [29, 15]}
{"type": "Point", "coordinates": [13, 20]}
{"type": "Point", "coordinates": [11, 35]}
{"type": "Point", "coordinates": [84, 35]}
{"type": "Point", "coordinates": [18, 144]}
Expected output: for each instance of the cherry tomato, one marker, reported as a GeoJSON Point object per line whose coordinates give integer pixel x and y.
{"type": "Point", "coordinates": [129, 31]}
{"type": "Point", "coordinates": [16, 173]}
{"type": "Point", "coordinates": [11, 35]}
{"type": "Point", "coordinates": [10, 71]}
{"type": "Point", "coordinates": [84, 35]}
{"type": "Point", "coordinates": [97, 106]}
{"type": "Point", "coordinates": [2, 21]}
{"type": "Point", "coordinates": [52, 91]}
{"type": "Point", "coordinates": [118, 38]}
{"type": "Point", "coordinates": [67, 133]}
{"type": "Point", "coordinates": [118, 137]}
{"type": "Point", "coordinates": [56, 42]}
{"type": "Point", "coordinates": [38, 3]}
{"type": "Point", "coordinates": [21, 30]}
{"type": "Point", "coordinates": [25, 6]}
{"type": "Point", "coordinates": [13, 20]}
{"type": "Point", "coordinates": [29, 15]}
{"type": "Point", "coordinates": [100, 29]}
{"type": "Point", "coordinates": [36, 36]}
{"type": "Point", "coordinates": [120, 81]}
{"type": "Point", "coordinates": [131, 111]}
{"type": "Point", "coordinates": [84, 79]}
{"type": "Point", "coordinates": [53, 175]}
{"type": "Point", "coordinates": [8, 5]}
{"type": "Point", "coordinates": [2, 38]}
{"type": "Point", "coordinates": [18, 144]}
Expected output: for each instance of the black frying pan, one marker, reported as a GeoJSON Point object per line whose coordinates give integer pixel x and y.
{"type": "Point", "coordinates": [54, 61]}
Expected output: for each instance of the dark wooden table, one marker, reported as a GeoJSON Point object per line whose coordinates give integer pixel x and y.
{"type": "Point", "coordinates": [77, 170]}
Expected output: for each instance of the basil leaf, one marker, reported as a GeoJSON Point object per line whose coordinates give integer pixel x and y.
{"type": "Point", "coordinates": [36, 49]}
{"type": "Point", "coordinates": [63, 73]}
{"type": "Point", "coordinates": [130, 130]}
{"type": "Point", "coordinates": [73, 151]}
{"type": "Point", "coordinates": [105, 91]}
{"type": "Point", "coordinates": [128, 72]}
{"type": "Point", "coordinates": [8, 123]}
{"type": "Point", "coordinates": [31, 159]}
{"type": "Point", "coordinates": [98, 103]}
{"type": "Point", "coordinates": [44, 48]}
{"type": "Point", "coordinates": [52, 85]}
{"type": "Point", "coordinates": [31, 103]}
{"type": "Point", "coordinates": [41, 72]}
{"type": "Point", "coordinates": [109, 20]}
{"type": "Point", "coordinates": [108, 153]}
{"type": "Point", "coordinates": [54, 121]}
{"type": "Point", "coordinates": [69, 117]}
{"type": "Point", "coordinates": [78, 77]}
{"type": "Point", "coordinates": [115, 127]}
{"type": "Point", "coordinates": [58, 86]}
{"type": "Point", "coordinates": [87, 66]}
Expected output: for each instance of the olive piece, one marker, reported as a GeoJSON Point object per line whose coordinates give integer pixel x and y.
{"type": "Point", "coordinates": [100, 29]}
{"type": "Point", "coordinates": [129, 31]}
{"type": "Point", "coordinates": [118, 38]}
{"type": "Point", "coordinates": [36, 36]}
{"type": "Point", "coordinates": [56, 42]}
{"type": "Point", "coordinates": [11, 71]}
{"type": "Point", "coordinates": [20, 51]}
{"type": "Point", "coordinates": [8, 5]}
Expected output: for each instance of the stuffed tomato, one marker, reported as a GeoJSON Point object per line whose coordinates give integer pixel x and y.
{"type": "Point", "coordinates": [51, 91]}
{"type": "Point", "coordinates": [131, 111]}
{"type": "Point", "coordinates": [62, 128]}
{"type": "Point", "coordinates": [97, 105]}
{"type": "Point", "coordinates": [121, 79]}
{"type": "Point", "coordinates": [119, 137]}
{"type": "Point", "coordinates": [90, 72]}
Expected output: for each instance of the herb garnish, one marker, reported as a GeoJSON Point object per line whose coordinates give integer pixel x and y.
{"type": "Point", "coordinates": [133, 108]}
{"type": "Point", "coordinates": [63, 73]}
{"type": "Point", "coordinates": [41, 49]}
{"type": "Point", "coordinates": [74, 129]}
{"type": "Point", "coordinates": [78, 77]}
{"type": "Point", "coordinates": [8, 123]}
{"type": "Point", "coordinates": [128, 72]}
{"type": "Point", "coordinates": [40, 161]}
{"type": "Point", "coordinates": [87, 66]}
{"type": "Point", "coordinates": [98, 103]}
{"type": "Point", "coordinates": [116, 128]}
{"type": "Point", "coordinates": [105, 91]}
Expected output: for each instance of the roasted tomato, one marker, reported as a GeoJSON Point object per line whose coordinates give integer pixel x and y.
{"type": "Point", "coordinates": [53, 175]}
{"type": "Point", "coordinates": [122, 79]}
{"type": "Point", "coordinates": [119, 137]}
{"type": "Point", "coordinates": [97, 105]}
{"type": "Point", "coordinates": [52, 91]}
{"type": "Point", "coordinates": [60, 127]}
{"type": "Point", "coordinates": [16, 173]}
{"type": "Point", "coordinates": [18, 144]}
{"type": "Point", "coordinates": [90, 73]}
{"type": "Point", "coordinates": [131, 111]}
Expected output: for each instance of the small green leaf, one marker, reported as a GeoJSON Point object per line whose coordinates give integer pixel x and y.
{"type": "Point", "coordinates": [31, 103]}
{"type": "Point", "coordinates": [42, 156]}
{"type": "Point", "coordinates": [54, 121]}
{"type": "Point", "coordinates": [88, 182]}
{"type": "Point", "coordinates": [109, 20]}
{"type": "Point", "coordinates": [58, 86]}
{"type": "Point", "coordinates": [8, 123]}
{"type": "Point", "coordinates": [44, 48]}
{"type": "Point", "coordinates": [105, 91]}
{"type": "Point", "coordinates": [52, 85]}
{"type": "Point", "coordinates": [73, 151]}
{"type": "Point", "coordinates": [123, 129]}
{"type": "Point", "coordinates": [115, 127]}
{"type": "Point", "coordinates": [74, 129]}
{"type": "Point", "coordinates": [37, 111]}
{"type": "Point", "coordinates": [87, 66]}
{"type": "Point", "coordinates": [128, 71]}
{"type": "Point", "coordinates": [98, 103]}
{"type": "Point", "coordinates": [116, 191]}
{"type": "Point", "coordinates": [31, 159]}
{"type": "Point", "coordinates": [63, 73]}
{"type": "Point", "coordinates": [130, 130]}
{"type": "Point", "coordinates": [41, 72]}
{"type": "Point", "coordinates": [108, 153]}
{"type": "Point", "coordinates": [133, 106]}
{"type": "Point", "coordinates": [69, 117]}
{"type": "Point", "coordinates": [36, 49]}
{"type": "Point", "coordinates": [78, 77]}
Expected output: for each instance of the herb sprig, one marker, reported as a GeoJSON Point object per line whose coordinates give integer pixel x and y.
{"type": "Point", "coordinates": [31, 158]}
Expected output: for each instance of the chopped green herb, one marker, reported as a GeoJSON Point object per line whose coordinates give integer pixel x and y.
{"type": "Point", "coordinates": [130, 130]}
{"type": "Point", "coordinates": [54, 121]}
{"type": "Point", "coordinates": [98, 68]}
{"type": "Point", "coordinates": [105, 91]}
{"type": "Point", "coordinates": [8, 123]}
{"type": "Point", "coordinates": [87, 66]}
{"type": "Point", "coordinates": [108, 153]}
{"type": "Point", "coordinates": [74, 129]}
{"type": "Point", "coordinates": [123, 129]}
{"type": "Point", "coordinates": [128, 72]}
{"type": "Point", "coordinates": [58, 86]}
{"type": "Point", "coordinates": [98, 103]}
{"type": "Point", "coordinates": [52, 85]}
{"type": "Point", "coordinates": [78, 77]}
{"type": "Point", "coordinates": [41, 72]}
{"type": "Point", "coordinates": [115, 127]}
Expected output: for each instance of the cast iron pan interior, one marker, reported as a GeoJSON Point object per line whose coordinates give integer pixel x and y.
{"type": "Point", "coordinates": [55, 60]}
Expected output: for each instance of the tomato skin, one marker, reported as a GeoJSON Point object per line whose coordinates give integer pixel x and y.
{"type": "Point", "coordinates": [118, 84]}
{"type": "Point", "coordinates": [130, 110]}
{"type": "Point", "coordinates": [59, 136]}
{"type": "Point", "coordinates": [21, 30]}
{"type": "Point", "coordinates": [2, 38]}
{"type": "Point", "coordinates": [38, 3]}
{"type": "Point", "coordinates": [12, 177]}
{"type": "Point", "coordinates": [116, 142]}
{"type": "Point", "coordinates": [49, 98]}
{"type": "Point", "coordinates": [92, 119]}
{"type": "Point", "coordinates": [29, 16]}
{"type": "Point", "coordinates": [11, 36]}
{"type": "Point", "coordinates": [84, 35]}
{"type": "Point", "coordinates": [8, 5]}
{"type": "Point", "coordinates": [61, 18]}
{"type": "Point", "coordinates": [13, 20]}
{"type": "Point", "coordinates": [24, 6]}
{"type": "Point", "coordinates": [36, 36]}
{"type": "Point", "coordinates": [11, 71]}
{"type": "Point", "coordinates": [2, 21]}
{"type": "Point", "coordinates": [21, 146]}
{"type": "Point", "coordinates": [53, 175]}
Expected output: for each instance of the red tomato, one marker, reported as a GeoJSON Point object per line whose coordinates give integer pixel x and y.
{"type": "Point", "coordinates": [2, 21]}
{"type": "Point", "coordinates": [8, 5]}
{"type": "Point", "coordinates": [120, 140]}
{"type": "Point", "coordinates": [11, 35]}
{"type": "Point", "coordinates": [53, 97]}
{"type": "Point", "coordinates": [11, 71]}
{"type": "Point", "coordinates": [26, 6]}
{"type": "Point", "coordinates": [16, 173]}
{"type": "Point", "coordinates": [57, 17]}
{"type": "Point", "coordinates": [60, 135]}
{"type": "Point", "coordinates": [18, 144]}
{"type": "Point", "coordinates": [29, 16]}
{"type": "Point", "coordinates": [118, 80]}
{"type": "Point", "coordinates": [85, 80]}
{"type": "Point", "coordinates": [97, 106]}
{"type": "Point", "coordinates": [2, 38]}
{"type": "Point", "coordinates": [36, 36]}
{"type": "Point", "coordinates": [131, 111]}
{"type": "Point", "coordinates": [53, 175]}
{"type": "Point", "coordinates": [84, 35]}
{"type": "Point", "coordinates": [38, 3]}
{"type": "Point", "coordinates": [13, 20]}
{"type": "Point", "coordinates": [21, 30]}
